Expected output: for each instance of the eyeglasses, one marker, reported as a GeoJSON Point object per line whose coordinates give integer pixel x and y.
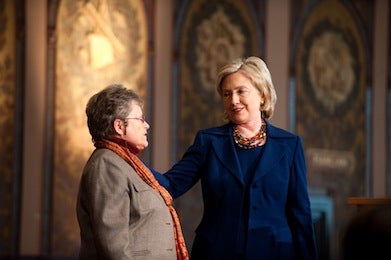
{"type": "Point", "coordinates": [142, 119]}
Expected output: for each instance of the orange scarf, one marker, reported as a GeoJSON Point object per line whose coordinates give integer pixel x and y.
{"type": "Point", "coordinates": [148, 177]}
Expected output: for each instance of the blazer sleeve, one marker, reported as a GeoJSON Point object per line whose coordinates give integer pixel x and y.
{"type": "Point", "coordinates": [107, 188]}
{"type": "Point", "coordinates": [299, 208]}
{"type": "Point", "coordinates": [186, 172]}
{"type": "Point", "coordinates": [159, 176]}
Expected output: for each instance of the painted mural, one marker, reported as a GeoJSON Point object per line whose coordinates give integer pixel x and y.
{"type": "Point", "coordinates": [331, 75]}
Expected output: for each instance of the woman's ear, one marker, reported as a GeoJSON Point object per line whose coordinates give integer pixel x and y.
{"type": "Point", "coordinates": [119, 127]}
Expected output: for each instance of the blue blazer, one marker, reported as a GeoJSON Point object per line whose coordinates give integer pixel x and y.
{"type": "Point", "coordinates": [277, 205]}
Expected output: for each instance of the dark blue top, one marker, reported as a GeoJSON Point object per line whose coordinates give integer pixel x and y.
{"type": "Point", "coordinates": [248, 159]}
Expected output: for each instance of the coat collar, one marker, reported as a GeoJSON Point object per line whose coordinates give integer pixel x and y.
{"type": "Point", "coordinates": [225, 149]}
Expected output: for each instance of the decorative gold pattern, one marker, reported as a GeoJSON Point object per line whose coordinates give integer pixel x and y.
{"type": "Point", "coordinates": [331, 78]}
{"type": "Point", "coordinates": [331, 69]}
{"type": "Point", "coordinates": [212, 33]}
{"type": "Point", "coordinates": [218, 38]}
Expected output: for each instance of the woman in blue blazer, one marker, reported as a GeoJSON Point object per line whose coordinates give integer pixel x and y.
{"type": "Point", "coordinates": [253, 176]}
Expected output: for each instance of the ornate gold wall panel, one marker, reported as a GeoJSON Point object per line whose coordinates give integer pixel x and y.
{"type": "Point", "coordinates": [99, 42]}
{"type": "Point", "coordinates": [211, 34]}
{"type": "Point", "coordinates": [331, 67]}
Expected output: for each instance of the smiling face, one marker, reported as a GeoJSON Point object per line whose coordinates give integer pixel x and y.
{"type": "Point", "coordinates": [241, 99]}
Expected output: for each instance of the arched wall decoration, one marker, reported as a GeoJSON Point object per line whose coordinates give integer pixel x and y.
{"type": "Point", "coordinates": [330, 63]}
{"type": "Point", "coordinates": [95, 43]}
{"type": "Point", "coordinates": [207, 35]}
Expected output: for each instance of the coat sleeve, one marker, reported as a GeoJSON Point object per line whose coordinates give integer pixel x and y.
{"type": "Point", "coordinates": [108, 196]}
{"type": "Point", "coordinates": [186, 172]}
{"type": "Point", "coordinates": [299, 208]}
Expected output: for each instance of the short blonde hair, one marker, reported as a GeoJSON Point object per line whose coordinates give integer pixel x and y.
{"type": "Point", "coordinates": [256, 70]}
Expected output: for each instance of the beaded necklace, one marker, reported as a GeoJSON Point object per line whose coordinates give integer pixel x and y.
{"type": "Point", "coordinates": [249, 143]}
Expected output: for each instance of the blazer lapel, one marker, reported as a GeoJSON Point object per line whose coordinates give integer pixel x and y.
{"type": "Point", "coordinates": [224, 149]}
{"type": "Point", "coordinates": [272, 154]}
{"type": "Point", "coordinates": [226, 154]}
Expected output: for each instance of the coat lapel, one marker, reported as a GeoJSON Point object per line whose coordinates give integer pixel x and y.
{"type": "Point", "coordinates": [226, 154]}
{"type": "Point", "coordinates": [224, 148]}
{"type": "Point", "coordinates": [272, 154]}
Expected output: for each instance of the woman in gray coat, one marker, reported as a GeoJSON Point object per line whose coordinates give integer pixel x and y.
{"type": "Point", "coordinates": [122, 211]}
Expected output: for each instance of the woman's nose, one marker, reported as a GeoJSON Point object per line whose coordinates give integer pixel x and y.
{"type": "Point", "coordinates": [235, 98]}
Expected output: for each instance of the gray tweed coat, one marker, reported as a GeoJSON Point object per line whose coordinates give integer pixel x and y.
{"type": "Point", "coordinates": [119, 215]}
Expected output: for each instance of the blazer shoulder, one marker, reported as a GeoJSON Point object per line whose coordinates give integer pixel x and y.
{"type": "Point", "coordinates": [104, 162]}
{"type": "Point", "coordinates": [275, 131]}
{"type": "Point", "coordinates": [106, 155]}
{"type": "Point", "coordinates": [283, 137]}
